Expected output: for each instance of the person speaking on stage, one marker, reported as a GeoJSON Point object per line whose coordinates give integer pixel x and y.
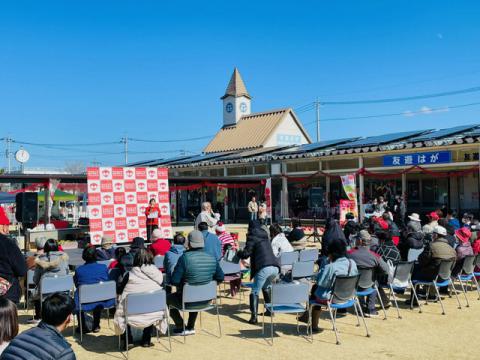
{"type": "Point", "coordinates": [152, 212]}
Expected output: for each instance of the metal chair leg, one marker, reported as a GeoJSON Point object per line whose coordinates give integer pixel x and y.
{"type": "Point", "coordinates": [381, 303]}
{"type": "Point", "coordinates": [463, 290]}
{"type": "Point", "coordinates": [455, 293]}
{"type": "Point", "coordinates": [392, 294]}
{"type": "Point", "coordinates": [476, 284]}
{"type": "Point", "coordinates": [357, 303]}
{"type": "Point", "coordinates": [439, 299]}
{"type": "Point", "coordinates": [333, 323]}
{"type": "Point", "coordinates": [414, 291]}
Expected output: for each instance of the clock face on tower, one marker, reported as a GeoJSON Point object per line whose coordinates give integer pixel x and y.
{"type": "Point", "coordinates": [243, 107]}
{"type": "Point", "coordinates": [229, 107]}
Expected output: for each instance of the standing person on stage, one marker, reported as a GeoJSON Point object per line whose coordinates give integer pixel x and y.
{"type": "Point", "coordinates": [207, 216]}
{"type": "Point", "coordinates": [152, 212]}
{"type": "Point", "coordinates": [253, 208]}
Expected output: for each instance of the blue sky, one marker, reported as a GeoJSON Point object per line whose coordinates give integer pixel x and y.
{"type": "Point", "coordinates": [93, 71]}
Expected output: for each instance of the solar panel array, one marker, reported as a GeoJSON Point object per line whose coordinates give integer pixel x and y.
{"type": "Point", "coordinates": [442, 133]}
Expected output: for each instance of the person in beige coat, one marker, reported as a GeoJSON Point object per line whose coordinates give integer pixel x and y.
{"type": "Point", "coordinates": [144, 277]}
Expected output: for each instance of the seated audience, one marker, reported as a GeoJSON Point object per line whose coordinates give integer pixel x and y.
{"type": "Point", "coordinates": [297, 232]}
{"type": "Point", "coordinates": [52, 263]}
{"type": "Point", "coordinates": [194, 267]}
{"type": "Point", "coordinates": [280, 243]}
{"type": "Point", "coordinates": [225, 238]}
{"type": "Point", "coordinates": [160, 246]}
{"type": "Point", "coordinates": [387, 249]}
{"type": "Point", "coordinates": [351, 227]}
{"type": "Point", "coordinates": [39, 244]}
{"type": "Point", "coordinates": [412, 238]}
{"type": "Point", "coordinates": [463, 249]}
{"type": "Point", "coordinates": [137, 244]}
{"type": "Point", "coordinates": [106, 251]}
{"type": "Point", "coordinates": [91, 273]}
{"type": "Point", "coordinates": [452, 240]}
{"type": "Point", "coordinates": [119, 252]}
{"type": "Point", "coordinates": [172, 256]}
{"type": "Point", "coordinates": [45, 341]}
{"type": "Point", "coordinates": [8, 322]}
{"type": "Point", "coordinates": [213, 246]}
{"type": "Point", "coordinates": [452, 219]}
{"type": "Point", "coordinates": [12, 267]}
{"type": "Point", "coordinates": [143, 277]}
{"type": "Point", "coordinates": [366, 259]}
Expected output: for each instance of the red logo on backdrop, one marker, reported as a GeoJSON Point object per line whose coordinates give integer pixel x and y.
{"type": "Point", "coordinates": [121, 236]}
{"type": "Point", "coordinates": [141, 185]}
{"type": "Point", "coordinates": [107, 211]}
{"type": "Point", "coordinates": [119, 198]}
{"type": "Point", "coordinates": [119, 211]}
{"type": "Point", "coordinates": [93, 186]}
{"type": "Point", "coordinates": [140, 173]}
{"type": "Point", "coordinates": [142, 209]}
{"type": "Point", "coordinates": [94, 199]}
{"type": "Point", "coordinates": [163, 186]}
{"type": "Point", "coordinates": [109, 224]}
{"type": "Point", "coordinates": [162, 173]}
{"type": "Point", "coordinates": [151, 173]}
{"type": "Point", "coordinates": [142, 222]}
{"type": "Point", "coordinates": [105, 173]}
{"type": "Point", "coordinates": [143, 233]}
{"type": "Point", "coordinates": [117, 173]}
{"type": "Point", "coordinates": [166, 233]}
{"type": "Point", "coordinates": [163, 197]}
{"type": "Point", "coordinates": [120, 223]}
{"type": "Point", "coordinates": [165, 221]}
{"type": "Point", "coordinates": [131, 198]}
{"type": "Point", "coordinates": [132, 222]}
{"type": "Point", "coordinates": [153, 196]}
{"type": "Point", "coordinates": [132, 210]}
{"type": "Point", "coordinates": [152, 185]}
{"type": "Point", "coordinates": [107, 198]}
{"type": "Point", "coordinates": [95, 212]}
{"type": "Point", "coordinates": [93, 173]}
{"type": "Point", "coordinates": [106, 186]}
{"type": "Point", "coordinates": [130, 185]}
{"type": "Point", "coordinates": [164, 209]}
{"type": "Point", "coordinates": [132, 233]}
{"type": "Point", "coordinates": [129, 173]}
{"type": "Point", "coordinates": [97, 238]}
{"type": "Point", "coordinates": [118, 186]}
{"type": "Point", "coordinates": [142, 197]}
{"type": "Point", "coordinates": [95, 225]}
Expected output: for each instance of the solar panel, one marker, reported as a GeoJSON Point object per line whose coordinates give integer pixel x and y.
{"type": "Point", "coordinates": [443, 133]}
{"type": "Point", "coordinates": [475, 132]}
{"type": "Point", "coordinates": [198, 158]}
{"type": "Point", "coordinates": [381, 139]}
{"type": "Point", "coordinates": [173, 159]}
{"type": "Point", "coordinates": [254, 152]}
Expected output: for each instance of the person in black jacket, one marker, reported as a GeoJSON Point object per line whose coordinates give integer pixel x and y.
{"type": "Point", "coordinates": [12, 267]}
{"type": "Point", "coordinates": [412, 238]}
{"type": "Point", "coordinates": [297, 232]}
{"type": "Point", "coordinates": [45, 342]}
{"type": "Point", "coordinates": [264, 266]}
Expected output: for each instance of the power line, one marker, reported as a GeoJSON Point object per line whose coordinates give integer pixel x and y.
{"type": "Point", "coordinates": [66, 145]}
{"type": "Point", "coordinates": [171, 140]}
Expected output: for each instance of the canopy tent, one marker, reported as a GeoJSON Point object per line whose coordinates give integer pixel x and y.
{"type": "Point", "coordinates": [59, 196]}
{"type": "Point", "coordinates": [6, 198]}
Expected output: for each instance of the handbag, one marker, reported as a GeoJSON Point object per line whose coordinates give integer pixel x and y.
{"type": "Point", "coordinates": [5, 285]}
{"type": "Point", "coordinates": [231, 256]}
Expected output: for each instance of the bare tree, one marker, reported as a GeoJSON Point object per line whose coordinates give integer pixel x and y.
{"type": "Point", "coordinates": [75, 167]}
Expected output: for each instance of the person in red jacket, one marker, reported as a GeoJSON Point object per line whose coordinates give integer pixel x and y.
{"type": "Point", "coordinates": [152, 212]}
{"type": "Point", "coordinates": [4, 222]}
{"type": "Point", "coordinates": [160, 246]}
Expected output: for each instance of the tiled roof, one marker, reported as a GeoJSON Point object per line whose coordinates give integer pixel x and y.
{"type": "Point", "coordinates": [251, 132]}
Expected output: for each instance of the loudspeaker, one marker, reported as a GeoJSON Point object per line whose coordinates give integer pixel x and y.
{"type": "Point", "coordinates": [26, 210]}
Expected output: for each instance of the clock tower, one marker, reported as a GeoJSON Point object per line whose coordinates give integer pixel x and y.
{"type": "Point", "coordinates": [236, 101]}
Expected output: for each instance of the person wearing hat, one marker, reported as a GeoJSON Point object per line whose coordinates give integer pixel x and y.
{"type": "Point", "coordinates": [432, 223]}
{"type": "Point", "coordinates": [225, 238]}
{"type": "Point", "coordinates": [160, 246]}
{"type": "Point", "coordinates": [463, 249]}
{"type": "Point", "coordinates": [412, 237]}
{"type": "Point", "coordinates": [367, 259]}
{"type": "Point", "coordinates": [106, 251]}
{"type": "Point", "coordinates": [194, 267]}
{"type": "Point", "coordinates": [429, 260]}
{"type": "Point", "coordinates": [137, 244]}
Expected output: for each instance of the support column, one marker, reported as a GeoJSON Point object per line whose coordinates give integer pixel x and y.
{"type": "Point", "coordinates": [404, 190]}
{"type": "Point", "coordinates": [327, 189]}
{"type": "Point", "coordinates": [361, 182]}
{"type": "Point", "coordinates": [225, 204]}
{"type": "Point", "coordinates": [284, 200]}
{"type": "Point", "coordinates": [46, 207]}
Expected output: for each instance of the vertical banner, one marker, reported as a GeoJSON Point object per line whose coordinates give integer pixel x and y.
{"type": "Point", "coordinates": [173, 205]}
{"type": "Point", "coordinates": [347, 206]}
{"type": "Point", "coordinates": [118, 197]}
{"type": "Point", "coordinates": [350, 188]}
{"type": "Point", "coordinates": [268, 197]}
{"type": "Point", "coordinates": [52, 187]}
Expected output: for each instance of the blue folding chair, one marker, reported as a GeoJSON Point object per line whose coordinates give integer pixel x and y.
{"type": "Point", "coordinates": [303, 270]}
{"type": "Point", "coordinates": [442, 279]}
{"type": "Point", "coordinates": [402, 280]}
{"type": "Point", "coordinates": [308, 255]}
{"type": "Point", "coordinates": [287, 298]}
{"type": "Point", "coordinates": [199, 293]}
{"type": "Point", "coordinates": [343, 296]}
{"type": "Point", "coordinates": [146, 303]}
{"type": "Point", "coordinates": [467, 274]}
{"type": "Point", "coordinates": [54, 284]}
{"type": "Point", "coordinates": [367, 286]}
{"type": "Point", "coordinates": [92, 293]}
{"type": "Point", "coordinates": [288, 258]}
{"type": "Point", "coordinates": [232, 272]}
{"type": "Point", "coordinates": [475, 274]}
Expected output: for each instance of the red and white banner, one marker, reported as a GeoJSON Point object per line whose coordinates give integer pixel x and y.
{"type": "Point", "coordinates": [118, 197]}
{"type": "Point", "coordinates": [268, 197]}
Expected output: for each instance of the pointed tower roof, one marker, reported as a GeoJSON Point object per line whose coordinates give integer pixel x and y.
{"type": "Point", "coordinates": [236, 86]}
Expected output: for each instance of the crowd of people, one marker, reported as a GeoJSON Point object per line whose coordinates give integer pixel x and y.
{"type": "Point", "coordinates": [377, 243]}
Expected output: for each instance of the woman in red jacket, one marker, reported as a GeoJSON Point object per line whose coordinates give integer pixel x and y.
{"type": "Point", "coordinates": [152, 212]}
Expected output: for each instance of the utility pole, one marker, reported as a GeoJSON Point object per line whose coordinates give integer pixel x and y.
{"type": "Point", "coordinates": [125, 148]}
{"type": "Point", "coordinates": [8, 153]}
{"type": "Point", "coordinates": [317, 111]}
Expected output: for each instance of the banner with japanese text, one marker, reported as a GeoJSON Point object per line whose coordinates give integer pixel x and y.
{"type": "Point", "coordinates": [268, 197]}
{"type": "Point", "coordinates": [118, 197]}
{"type": "Point", "coordinates": [350, 188]}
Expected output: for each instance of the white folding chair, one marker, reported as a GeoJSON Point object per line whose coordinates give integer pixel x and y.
{"type": "Point", "coordinates": [413, 254]}
{"type": "Point", "coordinates": [53, 284]}
{"type": "Point", "coordinates": [29, 287]}
{"type": "Point", "coordinates": [308, 255]}
{"type": "Point", "coordinates": [92, 293]}
{"type": "Point", "coordinates": [303, 270]}
{"type": "Point", "coordinates": [146, 303]}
